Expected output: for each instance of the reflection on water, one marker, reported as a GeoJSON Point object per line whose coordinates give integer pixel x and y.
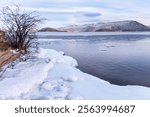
{"type": "Point", "coordinates": [119, 59]}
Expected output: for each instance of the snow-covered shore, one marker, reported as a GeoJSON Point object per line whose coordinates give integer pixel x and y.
{"type": "Point", "coordinates": [51, 75]}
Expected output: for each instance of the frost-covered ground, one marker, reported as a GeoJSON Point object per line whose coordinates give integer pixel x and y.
{"type": "Point", "coordinates": [51, 75]}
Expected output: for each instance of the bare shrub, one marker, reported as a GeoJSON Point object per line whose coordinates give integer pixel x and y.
{"type": "Point", "coordinates": [20, 27]}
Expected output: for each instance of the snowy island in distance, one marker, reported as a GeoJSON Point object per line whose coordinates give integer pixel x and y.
{"type": "Point", "coordinates": [51, 75]}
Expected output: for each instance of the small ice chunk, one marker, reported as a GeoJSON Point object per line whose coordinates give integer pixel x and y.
{"type": "Point", "coordinates": [62, 53]}
{"type": "Point", "coordinates": [13, 51]}
{"type": "Point", "coordinates": [70, 78]}
{"type": "Point", "coordinates": [47, 60]}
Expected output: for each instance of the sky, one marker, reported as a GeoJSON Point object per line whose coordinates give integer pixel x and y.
{"type": "Point", "coordinates": [60, 13]}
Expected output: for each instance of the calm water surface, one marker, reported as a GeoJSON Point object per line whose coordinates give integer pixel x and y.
{"type": "Point", "coordinates": [122, 59]}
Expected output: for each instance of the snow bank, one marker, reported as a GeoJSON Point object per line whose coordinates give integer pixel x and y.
{"type": "Point", "coordinates": [23, 78]}
{"type": "Point", "coordinates": [51, 75]}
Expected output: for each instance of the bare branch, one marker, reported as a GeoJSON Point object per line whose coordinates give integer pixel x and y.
{"type": "Point", "coordinates": [20, 27]}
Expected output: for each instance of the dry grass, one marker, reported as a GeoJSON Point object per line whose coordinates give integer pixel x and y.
{"type": "Point", "coordinates": [6, 56]}
{"type": "Point", "coordinates": [3, 46]}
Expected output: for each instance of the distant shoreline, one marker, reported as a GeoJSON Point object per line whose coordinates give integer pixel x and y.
{"type": "Point", "coordinates": [41, 34]}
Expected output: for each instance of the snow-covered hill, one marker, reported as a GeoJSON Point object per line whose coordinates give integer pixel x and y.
{"type": "Point", "coordinates": [48, 29]}
{"type": "Point", "coordinates": [122, 26]}
{"type": "Point", "coordinates": [112, 26]}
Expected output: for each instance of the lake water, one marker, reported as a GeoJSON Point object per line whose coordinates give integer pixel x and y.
{"type": "Point", "coordinates": [120, 58]}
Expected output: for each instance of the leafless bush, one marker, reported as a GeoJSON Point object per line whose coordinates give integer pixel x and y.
{"type": "Point", "coordinates": [20, 27]}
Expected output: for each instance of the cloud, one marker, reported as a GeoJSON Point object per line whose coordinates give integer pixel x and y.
{"type": "Point", "coordinates": [60, 12]}
{"type": "Point", "coordinates": [92, 14]}
{"type": "Point", "coordinates": [72, 20]}
{"type": "Point", "coordinates": [66, 10]}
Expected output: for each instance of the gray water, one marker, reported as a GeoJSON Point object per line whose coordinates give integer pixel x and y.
{"type": "Point", "coordinates": [121, 59]}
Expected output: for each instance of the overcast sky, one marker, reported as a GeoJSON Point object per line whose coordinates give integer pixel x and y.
{"type": "Point", "coordinates": [71, 12]}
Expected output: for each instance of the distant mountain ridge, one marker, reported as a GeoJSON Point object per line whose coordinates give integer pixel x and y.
{"type": "Point", "coordinates": [119, 26]}
{"type": "Point", "coordinates": [48, 29]}
{"type": "Point", "coordinates": [122, 26]}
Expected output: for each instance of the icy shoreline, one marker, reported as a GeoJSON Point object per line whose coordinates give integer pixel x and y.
{"type": "Point", "coordinates": [51, 75]}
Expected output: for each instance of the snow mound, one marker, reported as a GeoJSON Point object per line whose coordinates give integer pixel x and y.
{"type": "Point", "coordinates": [52, 75]}
{"type": "Point", "coordinates": [56, 57]}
